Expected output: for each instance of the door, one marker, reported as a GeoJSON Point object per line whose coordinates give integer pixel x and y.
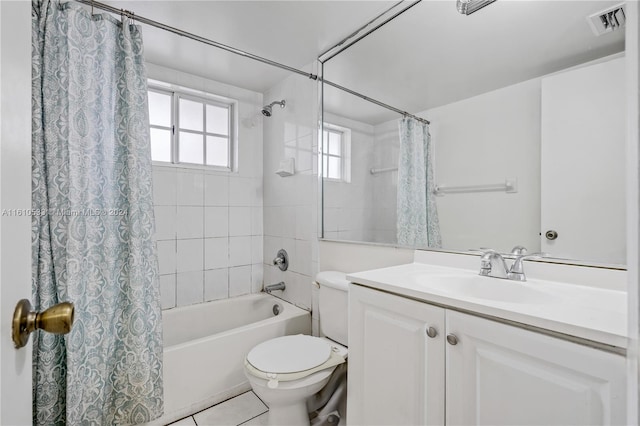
{"type": "Point", "coordinates": [503, 375]}
{"type": "Point", "coordinates": [15, 202]}
{"type": "Point", "coordinates": [396, 360]}
{"type": "Point", "coordinates": [583, 163]}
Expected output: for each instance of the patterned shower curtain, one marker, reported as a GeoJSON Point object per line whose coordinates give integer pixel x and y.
{"type": "Point", "coordinates": [417, 216]}
{"type": "Point", "coordinates": [92, 233]}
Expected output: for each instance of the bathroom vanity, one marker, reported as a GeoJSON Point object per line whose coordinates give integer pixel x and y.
{"type": "Point", "coordinates": [438, 345]}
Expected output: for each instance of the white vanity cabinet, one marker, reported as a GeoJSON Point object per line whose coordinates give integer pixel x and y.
{"type": "Point", "coordinates": [497, 374]}
{"type": "Point", "coordinates": [492, 373]}
{"type": "Point", "coordinates": [396, 371]}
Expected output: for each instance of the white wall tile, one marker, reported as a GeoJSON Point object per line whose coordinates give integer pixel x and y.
{"type": "Point", "coordinates": [331, 219]}
{"type": "Point", "coordinates": [216, 284]}
{"type": "Point", "coordinates": [273, 221]}
{"type": "Point", "coordinates": [190, 223]}
{"type": "Point", "coordinates": [257, 220]}
{"type": "Point", "coordinates": [239, 280]}
{"type": "Point", "coordinates": [190, 288]}
{"type": "Point", "coordinates": [216, 251]}
{"type": "Point", "coordinates": [289, 245]}
{"type": "Point", "coordinates": [190, 187]}
{"type": "Point", "coordinates": [239, 251]}
{"type": "Point", "coordinates": [302, 257]}
{"type": "Point", "coordinates": [257, 277]}
{"type": "Point", "coordinates": [257, 245]}
{"type": "Point", "coordinates": [216, 222]}
{"type": "Point", "coordinates": [166, 257]}
{"type": "Point", "coordinates": [168, 291]}
{"type": "Point", "coordinates": [216, 190]}
{"type": "Point", "coordinates": [165, 222]}
{"type": "Point", "coordinates": [303, 222]}
{"type": "Point", "coordinates": [271, 247]}
{"type": "Point", "coordinates": [239, 221]}
{"type": "Point", "coordinates": [240, 191]}
{"type": "Point", "coordinates": [257, 193]}
{"type": "Point", "coordinates": [288, 218]}
{"type": "Point", "coordinates": [298, 290]}
{"type": "Point", "coordinates": [190, 255]}
{"type": "Point", "coordinates": [164, 187]}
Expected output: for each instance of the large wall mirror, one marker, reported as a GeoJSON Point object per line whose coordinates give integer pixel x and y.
{"type": "Point", "coordinates": [526, 104]}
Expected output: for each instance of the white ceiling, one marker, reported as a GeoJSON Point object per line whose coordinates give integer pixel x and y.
{"type": "Point", "coordinates": [428, 56]}
{"type": "Point", "coordinates": [432, 55]}
{"type": "Point", "coordinates": [290, 32]}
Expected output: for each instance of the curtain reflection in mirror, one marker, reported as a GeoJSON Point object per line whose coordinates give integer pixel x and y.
{"type": "Point", "coordinates": [417, 216]}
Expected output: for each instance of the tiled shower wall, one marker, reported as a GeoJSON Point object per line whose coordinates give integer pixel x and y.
{"type": "Point", "coordinates": [348, 206]}
{"type": "Point", "coordinates": [209, 224]}
{"type": "Point", "coordinates": [290, 203]}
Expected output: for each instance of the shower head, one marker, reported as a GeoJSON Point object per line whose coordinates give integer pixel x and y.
{"type": "Point", "coordinates": [267, 109]}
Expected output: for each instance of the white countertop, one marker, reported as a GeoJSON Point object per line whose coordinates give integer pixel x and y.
{"type": "Point", "coordinates": [596, 314]}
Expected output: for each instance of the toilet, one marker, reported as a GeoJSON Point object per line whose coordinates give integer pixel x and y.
{"type": "Point", "coordinates": [288, 373]}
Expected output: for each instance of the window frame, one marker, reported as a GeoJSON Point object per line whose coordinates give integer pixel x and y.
{"type": "Point", "coordinates": [345, 152]}
{"type": "Point", "coordinates": [205, 98]}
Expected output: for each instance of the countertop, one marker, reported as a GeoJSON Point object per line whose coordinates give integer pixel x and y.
{"type": "Point", "coordinates": [586, 312]}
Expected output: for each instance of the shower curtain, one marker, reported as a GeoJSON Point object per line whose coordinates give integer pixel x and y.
{"type": "Point", "coordinates": [417, 216]}
{"type": "Point", "coordinates": [93, 221]}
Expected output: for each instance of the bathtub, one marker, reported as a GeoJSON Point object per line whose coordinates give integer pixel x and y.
{"type": "Point", "coordinates": [205, 346]}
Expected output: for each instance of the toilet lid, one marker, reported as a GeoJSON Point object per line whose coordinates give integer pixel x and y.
{"type": "Point", "coordinates": [289, 354]}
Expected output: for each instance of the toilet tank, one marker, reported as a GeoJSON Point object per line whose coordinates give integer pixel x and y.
{"type": "Point", "coordinates": [333, 304]}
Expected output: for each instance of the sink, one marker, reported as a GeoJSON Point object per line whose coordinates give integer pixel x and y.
{"type": "Point", "coordinates": [485, 288]}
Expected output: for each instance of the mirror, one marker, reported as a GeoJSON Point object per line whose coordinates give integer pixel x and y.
{"type": "Point", "coordinates": [527, 129]}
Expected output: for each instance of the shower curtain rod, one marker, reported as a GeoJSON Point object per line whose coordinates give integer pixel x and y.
{"type": "Point", "coordinates": [143, 20]}
{"type": "Point", "coordinates": [355, 37]}
{"type": "Point", "coordinates": [374, 101]}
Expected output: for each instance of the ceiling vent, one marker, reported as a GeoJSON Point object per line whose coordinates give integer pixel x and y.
{"type": "Point", "coordinates": [608, 20]}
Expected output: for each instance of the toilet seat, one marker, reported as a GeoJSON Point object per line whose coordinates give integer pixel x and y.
{"type": "Point", "coordinates": [289, 354]}
{"type": "Point", "coordinates": [292, 358]}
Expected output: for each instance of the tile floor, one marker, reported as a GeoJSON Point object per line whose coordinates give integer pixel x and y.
{"type": "Point", "coordinates": [246, 410]}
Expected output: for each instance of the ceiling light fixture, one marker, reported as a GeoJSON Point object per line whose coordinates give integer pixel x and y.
{"type": "Point", "coordinates": [467, 7]}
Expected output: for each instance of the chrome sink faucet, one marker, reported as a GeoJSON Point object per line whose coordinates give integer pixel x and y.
{"type": "Point", "coordinates": [492, 264]}
{"type": "Point", "coordinates": [516, 272]}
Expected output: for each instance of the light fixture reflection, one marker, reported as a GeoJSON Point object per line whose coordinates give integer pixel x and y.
{"type": "Point", "coordinates": [467, 7]}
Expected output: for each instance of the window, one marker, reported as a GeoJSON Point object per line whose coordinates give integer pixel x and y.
{"type": "Point", "coordinates": [336, 152]}
{"type": "Point", "coordinates": [188, 129]}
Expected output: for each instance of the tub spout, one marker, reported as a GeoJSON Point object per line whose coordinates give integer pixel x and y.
{"type": "Point", "coordinates": [271, 287]}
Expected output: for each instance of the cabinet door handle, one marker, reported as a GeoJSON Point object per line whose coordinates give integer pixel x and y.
{"type": "Point", "coordinates": [432, 332]}
{"type": "Point", "coordinates": [452, 339]}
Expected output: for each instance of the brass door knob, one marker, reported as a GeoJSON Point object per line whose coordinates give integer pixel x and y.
{"type": "Point", "coordinates": [57, 319]}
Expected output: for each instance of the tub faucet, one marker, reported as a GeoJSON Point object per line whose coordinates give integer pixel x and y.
{"type": "Point", "coordinates": [272, 287]}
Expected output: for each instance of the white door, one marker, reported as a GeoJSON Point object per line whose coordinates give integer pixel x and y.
{"type": "Point", "coordinates": [396, 370]}
{"type": "Point", "coordinates": [15, 201]}
{"type": "Point", "coordinates": [503, 375]}
{"type": "Point", "coordinates": [583, 161]}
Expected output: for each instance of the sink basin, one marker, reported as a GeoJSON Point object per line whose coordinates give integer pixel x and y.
{"type": "Point", "coordinates": [485, 288]}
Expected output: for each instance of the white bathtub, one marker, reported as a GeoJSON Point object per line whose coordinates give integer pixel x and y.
{"type": "Point", "coordinates": [205, 346]}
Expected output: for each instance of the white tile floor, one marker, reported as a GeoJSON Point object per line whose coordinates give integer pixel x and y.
{"type": "Point", "coordinates": [246, 410]}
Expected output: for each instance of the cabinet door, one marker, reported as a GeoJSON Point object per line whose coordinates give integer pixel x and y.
{"type": "Point", "coordinates": [396, 371]}
{"type": "Point", "coordinates": [503, 375]}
